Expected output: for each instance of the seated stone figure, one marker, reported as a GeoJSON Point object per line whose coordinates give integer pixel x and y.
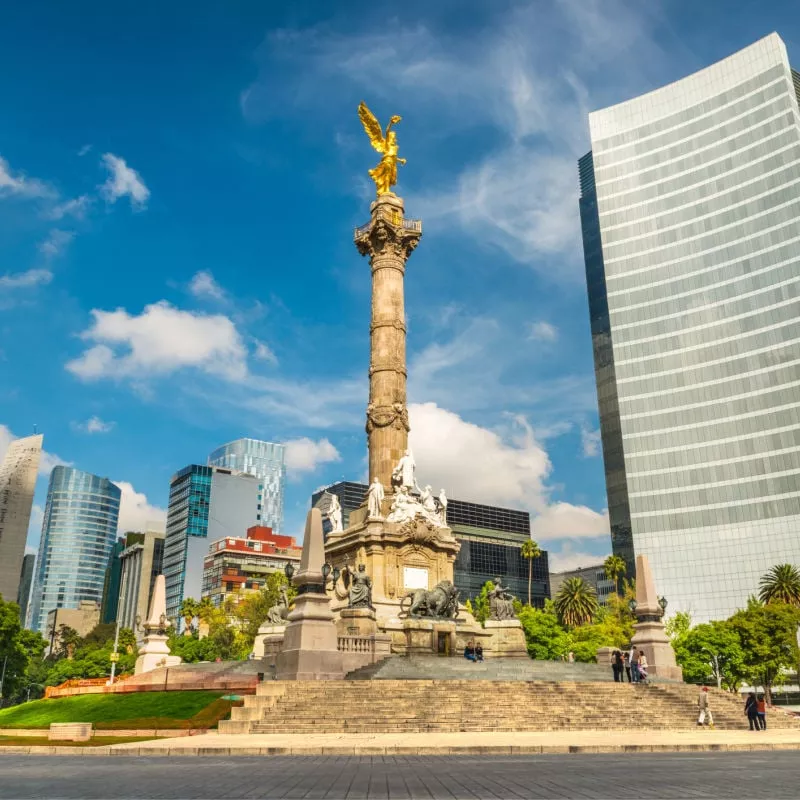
{"type": "Point", "coordinates": [278, 613]}
{"type": "Point", "coordinates": [501, 602]}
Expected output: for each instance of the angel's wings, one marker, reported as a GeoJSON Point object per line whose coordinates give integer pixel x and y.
{"type": "Point", "coordinates": [372, 128]}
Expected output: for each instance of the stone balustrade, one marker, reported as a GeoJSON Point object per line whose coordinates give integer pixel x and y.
{"type": "Point", "coordinates": [356, 644]}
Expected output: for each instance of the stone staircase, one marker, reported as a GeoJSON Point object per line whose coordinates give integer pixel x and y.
{"type": "Point", "coordinates": [390, 705]}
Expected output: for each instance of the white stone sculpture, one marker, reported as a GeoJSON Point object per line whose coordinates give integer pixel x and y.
{"type": "Point", "coordinates": [375, 498]}
{"type": "Point", "coordinates": [403, 473]}
{"type": "Point", "coordinates": [443, 506]}
{"type": "Point", "coordinates": [427, 499]}
{"type": "Point", "coordinates": [335, 514]}
{"type": "Point", "coordinates": [404, 507]}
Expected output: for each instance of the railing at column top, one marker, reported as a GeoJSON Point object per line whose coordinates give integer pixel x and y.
{"type": "Point", "coordinates": [392, 219]}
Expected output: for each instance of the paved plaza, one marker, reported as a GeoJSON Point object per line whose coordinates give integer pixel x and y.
{"type": "Point", "coordinates": [746, 775]}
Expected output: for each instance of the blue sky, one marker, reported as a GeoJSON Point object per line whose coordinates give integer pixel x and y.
{"type": "Point", "coordinates": [178, 188]}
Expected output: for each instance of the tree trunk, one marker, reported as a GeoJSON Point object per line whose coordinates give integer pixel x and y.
{"type": "Point", "coordinates": [530, 575]}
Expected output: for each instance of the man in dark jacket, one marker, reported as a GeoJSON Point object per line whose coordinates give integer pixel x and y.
{"type": "Point", "coordinates": [751, 709]}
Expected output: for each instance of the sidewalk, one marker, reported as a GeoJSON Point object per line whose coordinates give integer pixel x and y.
{"type": "Point", "coordinates": [548, 742]}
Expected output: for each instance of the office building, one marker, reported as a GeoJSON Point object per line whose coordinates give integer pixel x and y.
{"type": "Point", "coordinates": [82, 620]}
{"type": "Point", "coordinates": [490, 539]}
{"type": "Point", "coordinates": [17, 483]}
{"type": "Point", "coordinates": [690, 209]}
{"type": "Point", "coordinates": [111, 584]}
{"type": "Point", "coordinates": [265, 460]}
{"type": "Point", "coordinates": [205, 504]}
{"type": "Point", "coordinates": [25, 583]}
{"type": "Point", "coordinates": [236, 565]}
{"type": "Point", "coordinates": [594, 575]}
{"type": "Point", "coordinates": [78, 534]}
{"type": "Point", "coordinates": [140, 562]}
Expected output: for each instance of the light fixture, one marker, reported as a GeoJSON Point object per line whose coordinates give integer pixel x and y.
{"type": "Point", "coordinates": [632, 606]}
{"type": "Point", "coordinates": [662, 601]}
{"type": "Point", "coordinates": [326, 570]}
{"type": "Point", "coordinates": [288, 570]}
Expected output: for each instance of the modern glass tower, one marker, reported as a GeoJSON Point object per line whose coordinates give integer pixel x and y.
{"type": "Point", "coordinates": [78, 534]}
{"type": "Point", "coordinates": [265, 460]}
{"type": "Point", "coordinates": [690, 209]}
{"type": "Point", "coordinates": [205, 504]}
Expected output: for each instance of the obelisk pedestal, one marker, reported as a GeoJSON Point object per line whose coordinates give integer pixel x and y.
{"type": "Point", "coordinates": [650, 636]}
{"type": "Point", "coordinates": [310, 642]}
{"type": "Point", "coordinates": [154, 652]}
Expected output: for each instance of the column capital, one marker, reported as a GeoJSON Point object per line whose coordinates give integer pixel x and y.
{"type": "Point", "coordinates": [388, 235]}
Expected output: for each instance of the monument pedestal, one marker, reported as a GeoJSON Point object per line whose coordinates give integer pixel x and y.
{"type": "Point", "coordinates": [419, 636]}
{"type": "Point", "coordinates": [269, 642]}
{"type": "Point", "coordinates": [357, 622]}
{"type": "Point", "coordinates": [507, 639]}
{"type": "Point", "coordinates": [154, 653]}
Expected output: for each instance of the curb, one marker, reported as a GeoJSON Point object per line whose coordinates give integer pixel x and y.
{"type": "Point", "coordinates": [392, 750]}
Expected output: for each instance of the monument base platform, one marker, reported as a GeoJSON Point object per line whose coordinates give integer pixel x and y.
{"type": "Point", "coordinates": [507, 639]}
{"type": "Point", "coordinates": [154, 654]}
{"type": "Point", "coordinates": [269, 642]}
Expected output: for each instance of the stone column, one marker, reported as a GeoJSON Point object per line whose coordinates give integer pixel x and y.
{"type": "Point", "coordinates": [388, 239]}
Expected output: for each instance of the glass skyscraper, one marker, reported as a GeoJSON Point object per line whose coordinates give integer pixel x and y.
{"type": "Point", "coordinates": [78, 534]}
{"type": "Point", "coordinates": [690, 210]}
{"type": "Point", "coordinates": [265, 460]}
{"type": "Point", "coordinates": [205, 504]}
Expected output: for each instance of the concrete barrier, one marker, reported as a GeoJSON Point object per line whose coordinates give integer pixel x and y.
{"type": "Point", "coordinates": [70, 731]}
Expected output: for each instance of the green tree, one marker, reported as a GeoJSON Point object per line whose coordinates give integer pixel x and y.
{"type": "Point", "coordinates": [711, 653]}
{"type": "Point", "coordinates": [68, 639]}
{"type": "Point", "coordinates": [252, 609]}
{"type": "Point", "coordinates": [480, 605]}
{"type": "Point", "coordinates": [530, 550]}
{"type": "Point", "coordinates": [18, 649]}
{"type": "Point", "coordinates": [544, 636]}
{"type": "Point", "coordinates": [614, 569]}
{"type": "Point", "coordinates": [576, 602]}
{"type": "Point", "coordinates": [781, 585]}
{"type": "Point", "coordinates": [191, 649]}
{"type": "Point", "coordinates": [677, 626]}
{"type": "Point", "coordinates": [188, 611]}
{"type": "Point", "coordinates": [768, 639]}
{"type": "Point", "coordinates": [205, 609]}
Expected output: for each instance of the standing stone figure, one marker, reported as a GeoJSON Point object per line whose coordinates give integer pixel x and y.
{"type": "Point", "coordinates": [501, 602]}
{"type": "Point", "coordinates": [403, 473]}
{"type": "Point", "coordinates": [427, 499]}
{"type": "Point", "coordinates": [375, 498]}
{"type": "Point", "coordinates": [443, 506]}
{"type": "Point", "coordinates": [360, 587]}
{"type": "Point", "coordinates": [335, 514]}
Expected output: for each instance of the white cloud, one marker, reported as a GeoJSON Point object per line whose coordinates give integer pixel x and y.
{"type": "Point", "coordinates": [159, 341]}
{"type": "Point", "coordinates": [84, 150]}
{"type": "Point", "coordinates": [204, 285]}
{"type": "Point", "coordinates": [566, 521]}
{"type": "Point", "coordinates": [590, 442]}
{"type": "Point", "coordinates": [124, 181]}
{"type": "Point", "coordinates": [94, 425]}
{"type": "Point", "coordinates": [305, 455]}
{"type": "Point", "coordinates": [135, 512]}
{"type": "Point", "coordinates": [568, 559]}
{"type": "Point", "coordinates": [47, 460]}
{"type": "Point", "coordinates": [25, 280]}
{"type": "Point", "coordinates": [55, 243]}
{"type": "Point", "coordinates": [20, 185]}
{"type": "Point", "coordinates": [76, 207]}
{"type": "Point", "coordinates": [263, 352]}
{"type": "Point", "coordinates": [542, 331]}
{"type": "Point", "coordinates": [479, 465]}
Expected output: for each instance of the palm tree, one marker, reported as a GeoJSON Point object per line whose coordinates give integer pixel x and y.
{"type": "Point", "coordinates": [781, 585]}
{"type": "Point", "coordinates": [530, 550]}
{"type": "Point", "coordinates": [576, 602]}
{"type": "Point", "coordinates": [189, 608]}
{"type": "Point", "coordinates": [69, 639]}
{"type": "Point", "coordinates": [614, 569]}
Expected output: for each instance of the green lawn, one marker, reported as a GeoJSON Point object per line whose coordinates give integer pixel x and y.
{"type": "Point", "coordinates": [43, 741]}
{"type": "Point", "coordinates": [110, 711]}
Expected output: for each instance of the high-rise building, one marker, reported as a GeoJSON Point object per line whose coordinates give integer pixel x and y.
{"type": "Point", "coordinates": [690, 209]}
{"type": "Point", "coordinates": [205, 504]}
{"type": "Point", "coordinates": [25, 583]}
{"type": "Point", "coordinates": [78, 534]}
{"type": "Point", "coordinates": [490, 539]}
{"type": "Point", "coordinates": [141, 561]}
{"type": "Point", "coordinates": [241, 564]}
{"type": "Point", "coordinates": [111, 583]}
{"type": "Point", "coordinates": [265, 460]}
{"type": "Point", "coordinates": [17, 483]}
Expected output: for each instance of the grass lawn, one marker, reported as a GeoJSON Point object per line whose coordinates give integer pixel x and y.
{"type": "Point", "coordinates": [97, 741]}
{"type": "Point", "coordinates": [110, 711]}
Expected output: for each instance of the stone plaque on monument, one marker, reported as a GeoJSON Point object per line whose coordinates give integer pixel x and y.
{"type": "Point", "coordinates": [415, 578]}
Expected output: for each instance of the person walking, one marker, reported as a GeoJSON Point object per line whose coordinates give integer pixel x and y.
{"type": "Point", "coordinates": [626, 659]}
{"type": "Point", "coordinates": [634, 665]}
{"type": "Point", "coordinates": [751, 709]}
{"type": "Point", "coordinates": [761, 708]}
{"type": "Point", "coordinates": [642, 667]}
{"type": "Point", "coordinates": [616, 665]}
{"type": "Point", "coordinates": [702, 706]}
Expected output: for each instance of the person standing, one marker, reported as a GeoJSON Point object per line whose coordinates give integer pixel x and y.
{"type": "Point", "coordinates": [761, 708]}
{"type": "Point", "coordinates": [751, 709]}
{"type": "Point", "coordinates": [627, 663]}
{"type": "Point", "coordinates": [642, 667]}
{"type": "Point", "coordinates": [634, 656]}
{"type": "Point", "coordinates": [705, 711]}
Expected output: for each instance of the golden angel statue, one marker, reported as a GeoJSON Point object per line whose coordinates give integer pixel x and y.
{"type": "Point", "coordinates": [385, 174]}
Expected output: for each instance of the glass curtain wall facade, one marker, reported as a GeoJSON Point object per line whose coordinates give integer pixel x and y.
{"type": "Point", "coordinates": [78, 535]}
{"type": "Point", "coordinates": [265, 460]}
{"type": "Point", "coordinates": [696, 189]}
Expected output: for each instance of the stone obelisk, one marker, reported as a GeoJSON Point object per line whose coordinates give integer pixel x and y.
{"type": "Point", "coordinates": [388, 239]}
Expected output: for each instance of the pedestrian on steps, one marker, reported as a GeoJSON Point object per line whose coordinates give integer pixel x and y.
{"type": "Point", "coordinates": [705, 711]}
{"type": "Point", "coordinates": [616, 665]}
{"type": "Point", "coordinates": [626, 659]}
{"type": "Point", "coordinates": [642, 667]}
{"type": "Point", "coordinates": [634, 656]}
{"type": "Point", "coordinates": [751, 710]}
{"type": "Point", "coordinates": [761, 707]}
